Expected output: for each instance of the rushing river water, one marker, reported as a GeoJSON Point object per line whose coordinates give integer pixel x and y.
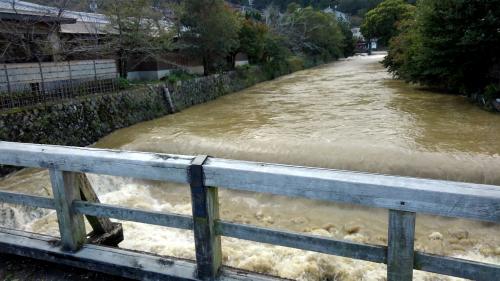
{"type": "Point", "coordinates": [345, 115]}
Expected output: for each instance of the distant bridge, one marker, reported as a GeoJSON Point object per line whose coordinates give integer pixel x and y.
{"type": "Point", "coordinates": [404, 197]}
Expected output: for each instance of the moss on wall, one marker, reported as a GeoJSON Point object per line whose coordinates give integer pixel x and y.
{"type": "Point", "coordinates": [80, 122]}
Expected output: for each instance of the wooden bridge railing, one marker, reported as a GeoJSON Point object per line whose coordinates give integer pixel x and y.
{"type": "Point", "coordinates": [404, 197]}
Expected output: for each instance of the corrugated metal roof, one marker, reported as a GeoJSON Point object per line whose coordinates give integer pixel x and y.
{"type": "Point", "coordinates": [87, 23]}
{"type": "Point", "coordinates": [24, 7]}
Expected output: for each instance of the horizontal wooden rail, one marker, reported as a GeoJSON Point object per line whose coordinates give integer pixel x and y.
{"type": "Point", "coordinates": [436, 197]}
{"type": "Point", "coordinates": [456, 267]}
{"type": "Point", "coordinates": [139, 165]}
{"type": "Point", "coordinates": [125, 263]}
{"type": "Point", "coordinates": [303, 241]}
{"type": "Point", "coordinates": [404, 197]}
{"type": "Point", "coordinates": [374, 253]}
{"type": "Point", "coordinates": [135, 215]}
{"type": "Point", "coordinates": [27, 200]}
{"type": "Point", "coordinates": [444, 198]}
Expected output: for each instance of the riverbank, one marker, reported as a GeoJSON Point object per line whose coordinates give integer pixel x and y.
{"type": "Point", "coordinates": [84, 120]}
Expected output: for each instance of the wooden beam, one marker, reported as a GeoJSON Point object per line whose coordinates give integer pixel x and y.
{"type": "Point", "coordinates": [139, 265]}
{"type": "Point", "coordinates": [132, 214]}
{"type": "Point", "coordinates": [87, 193]}
{"type": "Point", "coordinates": [205, 204]}
{"type": "Point", "coordinates": [456, 267]}
{"type": "Point", "coordinates": [140, 165]}
{"type": "Point", "coordinates": [104, 232]}
{"type": "Point", "coordinates": [400, 250]}
{"type": "Point", "coordinates": [303, 241]}
{"type": "Point", "coordinates": [71, 224]}
{"type": "Point", "coordinates": [112, 237]}
{"type": "Point", "coordinates": [436, 197]}
{"type": "Point", "coordinates": [27, 200]}
{"type": "Point", "coordinates": [124, 263]}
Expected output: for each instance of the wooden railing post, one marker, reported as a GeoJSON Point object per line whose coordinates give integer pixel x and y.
{"type": "Point", "coordinates": [71, 224]}
{"type": "Point", "coordinates": [400, 252]}
{"type": "Point", "coordinates": [205, 211]}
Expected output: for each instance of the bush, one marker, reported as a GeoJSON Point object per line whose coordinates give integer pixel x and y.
{"type": "Point", "coordinates": [123, 83]}
{"type": "Point", "coordinates": [295, 63]}
{"type": "Point", "coordinates": [450, 45]}
{"type": "Point", "coordinates": [492, 92]}
{"type": "Point", "coordinates": [178, 75]}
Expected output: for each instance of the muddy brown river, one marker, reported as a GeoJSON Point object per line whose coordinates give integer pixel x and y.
{"type": "Point", "coordinates": [346, 115]}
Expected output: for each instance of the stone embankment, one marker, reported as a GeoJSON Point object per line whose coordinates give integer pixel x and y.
{"type": "Point", "coordinates": [84, 120]}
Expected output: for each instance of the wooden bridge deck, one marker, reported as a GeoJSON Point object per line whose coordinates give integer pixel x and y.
{"type": "Point", "coordinates": [404, 197]}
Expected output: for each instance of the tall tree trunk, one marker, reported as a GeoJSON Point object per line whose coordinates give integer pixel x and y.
{"type": "Point", "coordinates": [122, 61]}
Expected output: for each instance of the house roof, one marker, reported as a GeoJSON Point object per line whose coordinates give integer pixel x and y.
{"type": "Point", "coordinates": [32, 8]}
{"type": "Point", "coordinates": [77, 23]}
{"type": "Point", "coordinates": [35, 18]}
{"type": "Point", "coordinates": [86, 23]}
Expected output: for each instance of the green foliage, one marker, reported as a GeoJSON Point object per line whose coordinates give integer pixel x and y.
{"type": "Point", "coordinates": [452, 45]}
{"type": "Point", "coordinates": [312, 32]}
{"type": "Point", "coordinates": [211, 32]}
{"type": "Point", "coordinates": [349, 42]}
{"type": "Point", "coordinates": [357, 7]}
{"type": "Point", "coordinates": [492, 91]}
{"type": "Point", "coordinates": [275, 55]}
{"type": "Point", "coordinates": [400, 60]}
{"type": "Point", "coordinates": [298, 38]}
{"type": "Point", "coordinates": [295, 63]}
{"type": "Point", "coordinates": [283, 4]}
{"type": "Point", "coordinates": [178, 75]}
{"type": "Point", "coordinates": [249, 75]}
{"type": "Point", "coordinates": [136, 29]}
{"type": "Point", "coordinates": [123, 83]}
{"type": "Point", "coordinates": [253, 36]}
{"type": "Point", "coordinates": [382, 21]}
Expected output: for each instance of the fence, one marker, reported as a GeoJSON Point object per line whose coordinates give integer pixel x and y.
{"type": "Point", "coordinates": [404, 197]}
{"type": "Point", "coordinates": [32, 83]}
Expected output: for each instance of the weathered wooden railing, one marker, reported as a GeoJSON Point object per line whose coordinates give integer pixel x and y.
{"type": "Point", "coordinates": [404, 197]}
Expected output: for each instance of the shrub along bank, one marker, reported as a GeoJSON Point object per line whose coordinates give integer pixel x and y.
{"type": "Point", "coordinates": [451, 45]}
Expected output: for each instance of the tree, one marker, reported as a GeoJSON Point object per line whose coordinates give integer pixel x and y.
{"type": "Point", "coordinates": [348, 44]}
{"type": "Point", "coordinates": [312, 32]}
{"type": "Point", "coordinates": [283, 4]}
{"type": "Point", "coordinates": [381, 22]}
{"type": "Point", "coordinates": [135, 28]}
{"type": "Point", "coordinates": [452, 45]}
{"type": "Point", "coordinates": [400, 60]}
{"type": "Point", "coordinates": [252, 37]}
{"type": "Point", "coordinates": [211, 32]}
{"type": "Point", "coordinates": [357, 7]}
{"type": "Point", "coordinates": [36, 38]}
